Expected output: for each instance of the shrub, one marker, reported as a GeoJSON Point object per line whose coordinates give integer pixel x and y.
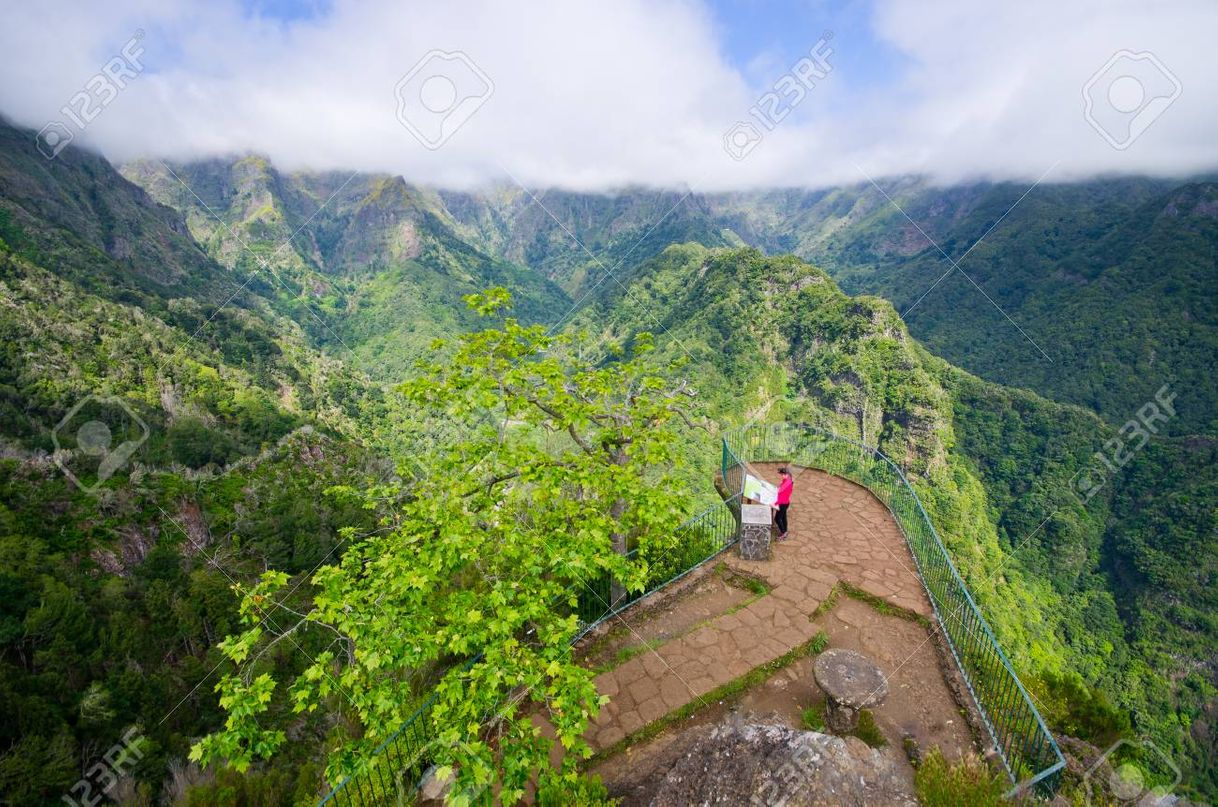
{"type": "Point", "coordinates": [970, 781]}
{"type": "Point", "coordinates": [587, 791]}
{"type": "Point", "coordinates": [868, 731]}
{"type": "Point", "coordinates": [814, 717]}
{"type": "Point", "coordinates": [1075, 709]}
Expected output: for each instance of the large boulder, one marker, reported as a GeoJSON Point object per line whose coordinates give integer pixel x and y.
{"type": "Point", "coordinates": [763, 764]}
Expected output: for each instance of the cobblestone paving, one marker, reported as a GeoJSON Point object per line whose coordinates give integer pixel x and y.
{"type": "Point", "coordinates": [838, 531]}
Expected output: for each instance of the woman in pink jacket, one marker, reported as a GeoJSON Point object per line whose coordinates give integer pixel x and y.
{"type": "Point", "coordinates": [783, 501]}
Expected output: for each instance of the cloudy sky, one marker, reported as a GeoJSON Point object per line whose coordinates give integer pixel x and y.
{"type": "Point", "coordinates": [708, 95]}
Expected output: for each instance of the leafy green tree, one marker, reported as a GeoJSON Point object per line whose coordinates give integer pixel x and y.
{"type": "Point", "coordinates": [552, 473]}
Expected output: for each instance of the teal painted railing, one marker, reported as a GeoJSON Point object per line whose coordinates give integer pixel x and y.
{"type": "Point", "coordinates": [1022, 741]}
{"type": "Point", "coordinates": [698, 540]}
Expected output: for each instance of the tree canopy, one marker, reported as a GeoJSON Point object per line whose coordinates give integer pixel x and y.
{"type": "Point", "coordinates": [552, 471]}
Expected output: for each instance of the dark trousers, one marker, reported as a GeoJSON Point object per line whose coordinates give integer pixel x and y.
{"type": "Point", "coordinates": [780, 519]}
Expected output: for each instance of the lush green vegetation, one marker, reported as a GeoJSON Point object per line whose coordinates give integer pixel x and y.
{"type": "Point", "coordinates": [266, 449]}
{"type": "Point", "coordinates": [1113, 280]}
{"type": "Point", "coordinates": [1163, 565]}
{"type": "Point", "coordinates": [370, 267]}
{"type": "Point", "coordinates": [114, 600]}
{"type": "Point", "coordinates": [1133, 571]}
{"type": "Point", "coordinates": [112, 609]}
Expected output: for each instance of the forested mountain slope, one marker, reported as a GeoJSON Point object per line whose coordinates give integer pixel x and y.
{"type": "Point", "coordinates": [372, 268]}
{"type": "Point", "coordinates": [1115, 281]}
{"type": "Point", "coordinates": [583, 241]}
{"type": "Point", "coordinates": [78, 216]}
{"type": "Point", "coordinates": [113, 595]}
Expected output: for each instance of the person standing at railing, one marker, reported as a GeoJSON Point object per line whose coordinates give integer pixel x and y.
{"type": "Point", "coordinates": [785, 486]}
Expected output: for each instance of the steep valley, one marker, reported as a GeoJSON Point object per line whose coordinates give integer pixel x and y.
{"type": "Point", "coordinates": [258, 322]}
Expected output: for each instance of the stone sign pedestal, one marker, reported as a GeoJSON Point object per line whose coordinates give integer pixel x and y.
{"type": "Point", "coordinates": [755, 531]}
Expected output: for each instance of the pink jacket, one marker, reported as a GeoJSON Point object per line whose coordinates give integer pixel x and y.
{"type": "Point", "coordinates": [784, 491]}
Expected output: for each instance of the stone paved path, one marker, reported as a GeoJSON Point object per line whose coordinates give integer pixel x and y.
{"type": "Point", "coordinates": [838, 531]}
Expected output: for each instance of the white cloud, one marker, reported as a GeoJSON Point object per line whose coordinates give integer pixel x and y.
{"type": "Point", "coordinates": [596, 95]}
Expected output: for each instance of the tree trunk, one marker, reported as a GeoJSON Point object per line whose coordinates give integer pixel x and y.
{"type": "Point", "coordinates": [617, 592]}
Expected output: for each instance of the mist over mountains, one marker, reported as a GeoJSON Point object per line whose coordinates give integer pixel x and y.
{"type": "Point", "coordinates": [590, 98]}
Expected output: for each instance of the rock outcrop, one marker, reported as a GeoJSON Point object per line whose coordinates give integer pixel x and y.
{"type": "Point", "coordinates": [773, 765]}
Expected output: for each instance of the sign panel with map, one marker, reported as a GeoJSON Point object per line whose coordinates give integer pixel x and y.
{"type": "Point", "coordinates": [759, 490]}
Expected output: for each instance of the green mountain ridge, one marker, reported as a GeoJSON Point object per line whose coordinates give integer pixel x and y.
{"type": "Point", "coordinates": [372, 268]}
{"type": "Point", "coordinates": [98, 230]}
{"type": "Point", "coordinates": [582, 240]}
{"type": "Point", "coordinates": [1106, 277]}
{"type": "Point", "coordinates": [1059, 287]}
{"type": "Point", "coordinates": [111, 611]}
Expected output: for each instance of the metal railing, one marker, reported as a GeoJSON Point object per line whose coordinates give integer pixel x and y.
{"type": "Point", "coordinates": [1020, 737]}
{"type": "Point", "coordinates": [396, 767]}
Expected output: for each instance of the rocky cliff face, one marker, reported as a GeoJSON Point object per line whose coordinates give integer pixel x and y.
{"type": "Point", "coordinates": [371, 267]}
{"type": "Point", "coordinates": [764, 764]}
